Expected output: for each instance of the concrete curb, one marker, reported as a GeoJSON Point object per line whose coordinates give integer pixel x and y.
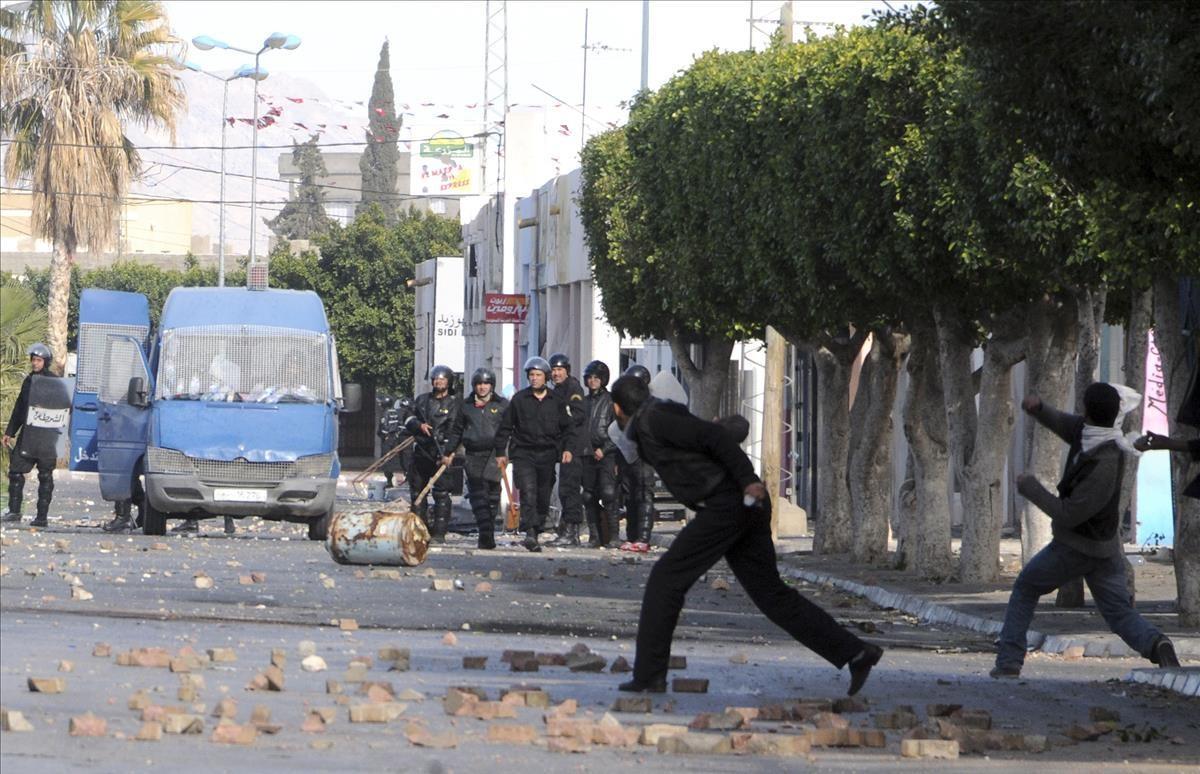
{"type": "Point", "coordinates": [1185, 680]}
{"type": "Point", "coordinates": [1094, 646]}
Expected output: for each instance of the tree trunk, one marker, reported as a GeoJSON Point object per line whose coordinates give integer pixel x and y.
{"type": "Point", "coordinates": [1091, 318]}
{"type": "Point", "coordinates": [905, 510]}
{"type": "Point", "coordinates": [58, 301]}
{"type": "Point", "coordinates": [833, 358]}
{"type": "Point", "coordinates": [979, 439]}
{"type": "Point", "coordinates": [706, 383]}
{"type": "Point", "coordinates": [1054, 329]}
{"type": "Point", "coordinates": [871, 456]}
{"type": "Point", "coordinates": [1177, 363]}
{"type": "Point", "coordinates": [928, 533]}
{"type": "Point", "coordinates": [1134, 376]}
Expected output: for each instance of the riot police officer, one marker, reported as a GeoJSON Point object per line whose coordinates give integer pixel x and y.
{"type": "Point", "coordinates": [482, 411]}
{"type": "Point", "coordinates": [637, 488]}
{"type": "Point", "coordinates": [35, 442]}
{"type": "Point", "coordinates": [536, 432]}
{"type": "Point", "coordinates": [436, 423]}
{"type": "Point", "coordinates": [570, 474]}
{"type": "Point", "coordinates": [392, 432]}
{"type": "Point", "coordinates": [599, 464]}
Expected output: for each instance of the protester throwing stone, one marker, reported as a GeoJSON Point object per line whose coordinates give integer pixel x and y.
{"type": "Point", "coordinates": [704, 468]}
{"type": "Point", "coordinates": [1085, 520]}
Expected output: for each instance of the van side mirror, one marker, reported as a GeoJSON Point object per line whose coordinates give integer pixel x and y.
{"type": "Point", "coordinates": [137, 395]}
{"type": "Point", "coordinates": [351, 397]}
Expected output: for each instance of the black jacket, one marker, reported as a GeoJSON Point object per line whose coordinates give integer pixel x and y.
{"type": "Point", "coordinates": [599, 417]}
{"type": "Point", "coordinates": [480, 423]}
{"type": "Point", "coordinates": [533, 430]}
{"type": "Point", "coordinates": [696, 460]}
{"type": "Point", "coordinates": [16, 420]}
{"type": "Point", "coordinates": [1086, 514]}
{"type": "Point", "coordinates": [574, 396]}
{"type": "Point", "coordinates": [445, 416]}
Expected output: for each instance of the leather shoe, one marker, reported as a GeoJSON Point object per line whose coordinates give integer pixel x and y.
{"type": "Point", "coordinates": [637, 686]}
{"type": "Point", "coordinates": [1164, 654]}
{"type": "Point", "coordinates": [1005, 673]}
{"type": "Point", "coordinates": [860, 666]}
{"type": "Point", "coordinates": [8, 517]}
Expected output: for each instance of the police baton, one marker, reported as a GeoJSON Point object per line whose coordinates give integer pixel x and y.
{"type": "Point", "coordinates": [513, 520]}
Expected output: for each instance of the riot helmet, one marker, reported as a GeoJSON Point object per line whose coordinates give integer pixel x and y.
{"type": "Point", "coordinates": [442, 372]}
{"type": "Point", "coordinates": [560, 360]}
{"type": "Point", "coordinates": [41, 350]}
{"type": "Point", "coordinates": [639, 372]}
{"type": "Point", "coordinates": [599, 369]}
{"type": "Point", "coordinates": [537, 364]}
{"type": "Point", "coordinates": [483, 376]}
{"type": "Point", "coordinates": [403, 404]}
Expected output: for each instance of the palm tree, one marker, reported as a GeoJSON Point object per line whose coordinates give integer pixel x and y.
{"type": "Point", "coordinates": [73, 74]}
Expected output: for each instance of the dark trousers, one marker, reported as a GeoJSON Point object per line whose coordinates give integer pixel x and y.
{"type": "Point", "coordinates": [423, 470]}
{"type": "Point", "coordinates": [599, 486]}
{"type": "Point", "coordinates": [18, 466]}
{"type": "Point", "coordinates": [637, 492]}
{"type": "Point", "coordinates": [743, 537]}
{"type": "Point", "coordinates": [570, 490]}
{"type": "Point", "coordinates": [1050, 568]}
{"type": "Point", "coordinates": [534, 482]}
{"type": "Point", "coordinates": [483, 490]}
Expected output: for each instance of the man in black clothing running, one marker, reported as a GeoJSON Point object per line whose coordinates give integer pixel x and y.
{"type": "Point", "coordinates": [704, 468]}
{"type": "Point", "coordinates": [535, 430]}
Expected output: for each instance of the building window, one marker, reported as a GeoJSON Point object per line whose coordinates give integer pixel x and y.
{"type": "Point", "coordinates": [437, 206]}
{"type": "Point", "coordinates": [472, 262]}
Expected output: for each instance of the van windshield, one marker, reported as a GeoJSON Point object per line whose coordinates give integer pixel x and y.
{"type": "Point", "coordinates": [246, 363]}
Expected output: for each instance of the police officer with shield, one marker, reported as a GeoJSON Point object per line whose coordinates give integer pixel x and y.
{"type": "Point", "coordinates": [32, 432]}
{"type": "Point", "coordinates": [599, 464]}
{"type": "Point", "coordinates": [436, 423]}
{"type": "Point", "coordinates": [536, 431]}
{"type": "Point", "coordinates": [570, 474]}
{"type": "Point", "coordinates": [482, 411]}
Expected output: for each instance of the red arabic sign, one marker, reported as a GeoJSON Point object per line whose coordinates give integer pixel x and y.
{"type": "Point", "coordinates": [505, 307]}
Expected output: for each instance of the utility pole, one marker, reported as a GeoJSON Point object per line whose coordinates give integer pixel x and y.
{"type": "Point", "coordinates": [777, 346]}
{"type": "Point", "coordinates": [583, 107]}
{"type": "Point", "coordinates": [645, 44]}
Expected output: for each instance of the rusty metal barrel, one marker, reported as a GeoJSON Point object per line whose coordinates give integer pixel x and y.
{"type": "Point", "coordinates": [397, 537]}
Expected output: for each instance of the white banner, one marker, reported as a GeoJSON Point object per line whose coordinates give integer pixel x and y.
{"type": "Point", "coordinates": [444, 162]}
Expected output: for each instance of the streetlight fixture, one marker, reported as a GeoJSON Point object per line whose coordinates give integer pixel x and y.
{"type": "Point", "coordinates": [245, 71]}
{"type": "Point", "coordinates": [274, 41]}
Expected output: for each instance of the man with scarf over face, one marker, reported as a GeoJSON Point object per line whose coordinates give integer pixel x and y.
{"type": "Point", "coordinates": [1085, 520]}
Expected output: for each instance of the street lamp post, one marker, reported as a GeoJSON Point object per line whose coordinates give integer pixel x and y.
{"type": "Point", "coordinates": [242, 72]}
{"type": "Point", "coordinates": [275, 40]}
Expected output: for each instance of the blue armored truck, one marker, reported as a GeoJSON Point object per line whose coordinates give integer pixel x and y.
{"type": "Point", "coordinates": [229, 408]}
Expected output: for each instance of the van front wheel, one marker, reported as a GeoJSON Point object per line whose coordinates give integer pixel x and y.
{"type": "Point", "coordinates": [154, 521]}
{"type": "Point", "coordinates": [318, 529]}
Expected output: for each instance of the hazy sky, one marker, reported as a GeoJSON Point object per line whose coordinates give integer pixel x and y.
{"type": "Point", "coordinates": [437, 48]}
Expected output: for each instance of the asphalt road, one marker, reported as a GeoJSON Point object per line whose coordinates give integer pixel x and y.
{"type": "Point", "coordinates": [144, 593]}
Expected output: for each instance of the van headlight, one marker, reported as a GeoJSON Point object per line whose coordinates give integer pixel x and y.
{"type": "Point", "coordinates": [160, 460]}
{"type": "Point", "coordinates": [314, 466]}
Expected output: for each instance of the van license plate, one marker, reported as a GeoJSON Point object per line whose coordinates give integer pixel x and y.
{"type": "Point", "coordinates": [240, 495]}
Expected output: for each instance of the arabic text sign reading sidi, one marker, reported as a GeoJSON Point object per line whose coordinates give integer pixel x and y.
{"type": "Point", "coordinates": [505, 307]}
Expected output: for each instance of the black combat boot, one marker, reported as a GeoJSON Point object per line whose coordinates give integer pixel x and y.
{"type": "Point", "coordinates": [531, 541]}
{"type": "Point", "coordinates": [45, 495]}
{"type": "Point", "coordinates": [613, 519]}
{"type": "Point", "coordinates": [122, 520]}
{"type": "Point", "coordinates": [16, 493]}
{"type": "Point", "coordinates": [441, 521]}
{"type": "Point", "coordinates": [568, 536]}
{"type": "Point", "coordinates": [595, 532]}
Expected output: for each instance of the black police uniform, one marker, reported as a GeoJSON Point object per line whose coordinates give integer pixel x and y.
{"type": "Point", "coordinates": [705, 469]}
{"type": "Point", "coordinates": [392, 432]}
{"type": "Point", "coordinates": [600, 476]}
{"type": "Point", "coordinates": [444, 415]}
{"type": "Point", "coordinates": [481, 421]}
{"type": "Point", "coordinates": [534, 433]}
{"type": "Point", "coordinates": [23, 460]}
{"type": "Point", "coordinates": [636, 491]}
{"type": "Point", "coordinates": [570, 475]}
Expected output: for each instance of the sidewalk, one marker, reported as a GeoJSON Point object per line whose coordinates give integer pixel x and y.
{"type": "Point", "coordinates": [1080, 632]}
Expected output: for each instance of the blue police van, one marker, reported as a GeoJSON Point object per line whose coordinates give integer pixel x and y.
{"type": "Point", "coordinates": [228, 408]}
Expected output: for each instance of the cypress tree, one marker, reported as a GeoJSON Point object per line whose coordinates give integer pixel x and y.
{"type": "Point", "coordinates": [304, 216]}
{"type": "Point", "coordinates": [381, 154]}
